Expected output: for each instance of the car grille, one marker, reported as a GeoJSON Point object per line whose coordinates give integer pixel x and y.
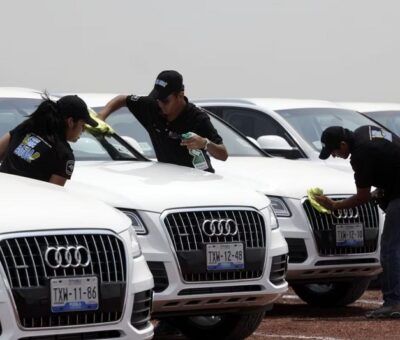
{"type": "Point", "coordinates": [159, 275]}
{"type": "Point", "coordinates": [278, 269]}
{"type": "Point", "coordinates": [297, 250]}
{"type": "Point", "coordinates": [140, 318]}
{"type": "Point", "coordinates": [323, 226]}
{"type": "Point", "coordinates": [29, 277]}
{"type": "Point", "coordinates": [189, 242]}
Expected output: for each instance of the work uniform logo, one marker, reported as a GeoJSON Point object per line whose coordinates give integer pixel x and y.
{"type": "Point", "coordinates": [26, 150]}
{"type": "Point", "coordinates": [69, 167]}
{"type": "Point", "coordinates": [134, 98]}
{"type": "Point", "coordinates": [161, 83]}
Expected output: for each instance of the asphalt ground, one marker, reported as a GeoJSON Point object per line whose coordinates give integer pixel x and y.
{"type": "Point", "coordinates": [293, 319]}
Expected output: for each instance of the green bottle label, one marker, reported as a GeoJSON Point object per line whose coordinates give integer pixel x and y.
{"type": "Point", "coordinates": [199, 160]}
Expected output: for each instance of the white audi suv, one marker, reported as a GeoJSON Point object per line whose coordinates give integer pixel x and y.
{"type": "Point", "coordinates": [70, 267]}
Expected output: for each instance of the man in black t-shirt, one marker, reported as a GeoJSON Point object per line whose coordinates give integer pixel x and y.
{"type": "Point", "coordinates": [168, 117]}
{"type": "Point", "coordinates": [375, 159]}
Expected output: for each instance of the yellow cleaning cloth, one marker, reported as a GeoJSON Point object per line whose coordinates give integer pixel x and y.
{"type": "Point", "coordinates": [102, 128]}
{"type": "Point", "coordinates": [311, 196]}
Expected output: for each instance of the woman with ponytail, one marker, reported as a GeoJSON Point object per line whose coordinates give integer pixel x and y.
{"type": "Point", "coordinates": [38, 148]}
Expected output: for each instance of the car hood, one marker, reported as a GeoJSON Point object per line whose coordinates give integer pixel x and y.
{"type": "Point", "coordinates": [286, 178]}
{"type": "Point", "coordinates": [29, 205]}
{"type": "Point", "coordinates": [153, 186]}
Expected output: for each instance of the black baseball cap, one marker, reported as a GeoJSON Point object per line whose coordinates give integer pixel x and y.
{"type": "Point", "coordinates": [330, 139]}
{"type": "Point", "coordinates": [167, 82]}
{"type": "Point", "coordinates": [75, 107]}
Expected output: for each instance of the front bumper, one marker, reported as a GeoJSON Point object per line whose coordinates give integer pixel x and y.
{"type": "Point", "coordinates": [191, 298]}
{"type": "Point", "coordinates": [306, 264]}
{"type": "Point", "coordinates": [131, 325]}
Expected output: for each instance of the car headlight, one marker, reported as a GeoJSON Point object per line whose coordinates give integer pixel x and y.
{"type": "Point", "coordinates": [137, 223]}
{"type": "Point", "coordinates": [136, 250]}
{"type": "Point", "coordinates": [273, 221]}
{"type": "Point", "coordinates": [279, 206]}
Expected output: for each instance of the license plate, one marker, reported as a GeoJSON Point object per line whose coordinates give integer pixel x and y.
{"type": "Point", "coordinates": [350, 235]}
{"type": "Point", "coordinates": [74, 294]}
{"type": "Point", "coordinates": [223, 256]}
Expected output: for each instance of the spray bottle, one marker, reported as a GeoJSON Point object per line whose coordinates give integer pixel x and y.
{"type": "Point", "coordinates": [199, 161]}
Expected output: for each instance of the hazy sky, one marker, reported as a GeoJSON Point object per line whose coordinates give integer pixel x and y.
{"type": "Point", "coordinates": [326, 49]}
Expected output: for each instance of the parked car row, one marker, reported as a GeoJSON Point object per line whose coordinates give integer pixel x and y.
{"type": "Point", "coordinates": [177, 225]}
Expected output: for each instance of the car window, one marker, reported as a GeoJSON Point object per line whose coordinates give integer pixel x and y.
{"type": "Point", "coordinates": [14, 111]}
{"type": "Point", "coordinates": [127, 125]}
{"type": "Point", "coordinates": [310, 122]}
{"type": "Point", "coordinates": [253, 123]}
{"type": "Point", "coordinates": [389, 119]}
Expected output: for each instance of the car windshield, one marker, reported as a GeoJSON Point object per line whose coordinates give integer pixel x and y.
{"type": "Point", "coordinates": [310, 123]}
{"type": "Point", "coordinates": [101, 148]}
{"type": "Point", "coordinates": [389, 119]}
{"type": "Point", "coordinates": [125, 123]}
{"type": "Point", "coordinates": [13, 111]}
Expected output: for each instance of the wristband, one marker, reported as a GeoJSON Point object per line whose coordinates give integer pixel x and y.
{"type": "Point", "coordinates": [206, 144]}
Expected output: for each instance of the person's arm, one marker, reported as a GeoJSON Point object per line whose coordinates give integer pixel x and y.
{"type": "Point", "coordinates": [363, 196]}
{"type": "Point", "coordinates": [59, 180]}
{"type": "Point", "coordinates": [4, 142]}
{"type": "Point", "coordinates": [218, 151]}
{"type": "Point", "coordinates": [113, 105]}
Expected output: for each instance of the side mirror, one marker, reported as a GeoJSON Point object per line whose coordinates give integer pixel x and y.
{"type": "Point", "coordinates": [133, 143]}
{"type": "Point", "coordinates": [273, 142]}
{"type": "Point", "coordinates": [278, 146]}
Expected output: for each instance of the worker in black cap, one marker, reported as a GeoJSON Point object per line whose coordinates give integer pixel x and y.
{"type": "Point", "coordinates": [38, 147]}
{"type": "Point", "coordinates": [375, 159]}
{"type": "Point", "coordinates": [168, 116]}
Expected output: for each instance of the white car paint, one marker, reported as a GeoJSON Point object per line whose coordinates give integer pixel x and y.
{"type": "Point", "coordinates": [33, 209]}
{"type": "Point", "coordinates": [370, 106]}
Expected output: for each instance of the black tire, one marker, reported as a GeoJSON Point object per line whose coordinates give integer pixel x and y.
{"type": "Point", "coordinates": [219, 327]}
{"type": "Point", "coordinates": [332, 294]}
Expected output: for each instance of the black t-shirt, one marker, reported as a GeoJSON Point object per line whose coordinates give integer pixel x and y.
{"type": "Point", "coordinates": [166, 136]}
{"type": "Point", "coordinates": [375, 158]}
{"type": "Point", "coordinates": [30, 155]}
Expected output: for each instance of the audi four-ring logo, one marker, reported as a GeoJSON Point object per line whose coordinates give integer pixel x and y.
{"type": "Point", "coordinates": [221, 227]}
{"type": "Point", "coordinates": [66, 257]}
{"type": "Point", "coordinates": [346, 213]}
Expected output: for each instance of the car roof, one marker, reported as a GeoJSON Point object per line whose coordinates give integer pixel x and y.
{"type": "Point", "coordinates": [371, 106]}
{"type": "Point", "coordinates": [274, 104]}
{"type": "Point", "coordinates": [20, 92]}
